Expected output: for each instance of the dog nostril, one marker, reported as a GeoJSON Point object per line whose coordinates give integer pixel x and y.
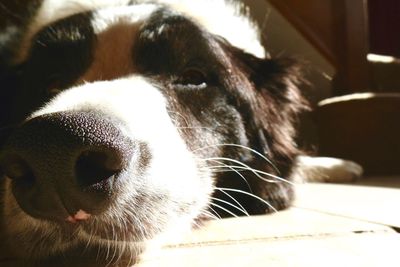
{"type": "Point", "coordinates": [19, 171]}
{"type": "Point", "coordinates": [93, 167]}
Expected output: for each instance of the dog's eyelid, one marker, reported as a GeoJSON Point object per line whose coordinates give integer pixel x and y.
{"type": "Point", "coordinates": [193, 76]}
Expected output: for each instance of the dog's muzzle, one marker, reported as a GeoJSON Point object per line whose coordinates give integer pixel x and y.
{"type": "Point", "coordinates": [66, 164]}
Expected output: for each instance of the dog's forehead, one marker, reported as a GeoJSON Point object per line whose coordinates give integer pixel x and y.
{"type": "Point", "coordinates": [119, 30]}
{"type": "Point", "coordinates": [134, 15]}
{"type": "Point", "coordinates": [220, 17]}
{"type": "Point", "coordinates": [102, 40]}
{"type": "Point", "coordinates": [116, 30]}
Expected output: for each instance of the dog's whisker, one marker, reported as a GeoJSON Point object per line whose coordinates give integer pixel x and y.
{"type": "Point", "coordinates": [244, 169]}
{"type": "Point", "coordinates": [227, 168]}
{"type": "Point", "coordinates": [88, 241]}
{"type": "Point", "coordinates": [98, 251]}
{"type": "Point", "coordinates": [224, 209]}
{"type": "Point", "coordinates": [255, 171]}
{"type": "Point", "coordinates": [114, 238]}
{"type": "Point", "coordinates": [214, 211]}
{"type": "Point", "coordinates": [210, 215]}
{"type": "Point", "coordinates": [96, 231]}
{"type": "Point", "coordinates": [266, 20]}
{"type": "Point", "coordinates": [190, 127]}
{"type": "Point", "coordinates": [108, 246]}
{"type": "Point", "coordinates": [195, 224]}
{"type": "Point", "coordinates": [185, 120]}
{"type": "Point", "coordinates": [243, 147]}
{"type": "Point", "coordinates": [249, 194]}
{"type": "Point", "coordinates": [232, 205]}
{"type": "Point", "coordinates": [124, 244]}
{"type": "Point", "coordinates": [116, 249]}
{"type": "Point", "coordinates": [232, 169]}
{"type": "Point", "coordinates": [131, 259]}
{"type": "Point", "coordinates": [234, 199]}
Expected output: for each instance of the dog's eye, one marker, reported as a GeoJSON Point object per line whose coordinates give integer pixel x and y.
{"type": "Point", "coordinates": [192, 76]}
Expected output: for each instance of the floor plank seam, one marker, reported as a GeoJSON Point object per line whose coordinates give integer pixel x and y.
{"type": "Point", "coordinates": [278, 238]}
{"type": "Point", "coordinates": [349, 217]}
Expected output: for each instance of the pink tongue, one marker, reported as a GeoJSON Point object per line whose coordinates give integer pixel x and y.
{"type": "Point", "coordinates": [81, 215]}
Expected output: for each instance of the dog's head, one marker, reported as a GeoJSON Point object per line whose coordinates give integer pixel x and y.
{"type": "Point", "coordinates": [133, 119]}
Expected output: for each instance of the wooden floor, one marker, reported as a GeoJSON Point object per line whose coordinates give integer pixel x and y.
{"type": "Point", "coordinates": [329, 225]}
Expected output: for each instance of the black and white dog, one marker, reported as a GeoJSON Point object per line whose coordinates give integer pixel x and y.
{"type": "Point", "coordinates": [133, 121]}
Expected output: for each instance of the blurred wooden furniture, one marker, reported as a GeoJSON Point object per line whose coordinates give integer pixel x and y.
{"type": "Point", "coordinates": [345, 31]}
{"type": "Point", "coordinates": [365, 130]}
{"type": "Point", "coordinates": [339, 30]}
{"type": "Point", "coordinates": [384, 25]}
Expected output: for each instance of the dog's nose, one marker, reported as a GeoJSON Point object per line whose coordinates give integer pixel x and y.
{"type": "Point", "coordinates": [64, 162]}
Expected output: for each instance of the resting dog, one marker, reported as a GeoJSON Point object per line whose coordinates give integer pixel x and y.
{"type": "Point", "coordinates": [135, 121]}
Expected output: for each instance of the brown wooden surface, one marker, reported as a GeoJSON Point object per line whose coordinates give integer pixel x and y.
{"type": "Point", "coordinates": [352, 48]}
{"type": "Point", "coordinates": [363, 129]}
{"type": "Point", "coordinates": [317, 29]}
{"type": "Point", "coordinates": [339, 30]}
{"type": "Point", "coordinates": [360, 201]}
{"type": "Point", "coordinates": [384, 27]}
{"type": "Point", "coordinates": [329, 225]}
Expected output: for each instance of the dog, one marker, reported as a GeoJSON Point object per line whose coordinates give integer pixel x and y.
{"type": "Point", "coordinates": [133, 121]}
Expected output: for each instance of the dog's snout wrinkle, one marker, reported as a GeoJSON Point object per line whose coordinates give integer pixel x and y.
{"type": "Point", "coordinates": [61, 163]}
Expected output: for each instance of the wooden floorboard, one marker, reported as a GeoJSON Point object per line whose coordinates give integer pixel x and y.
{"type": "Point", "coordinates": [368, 203]}
{"type": "Point", "coordinates": [329, 225]}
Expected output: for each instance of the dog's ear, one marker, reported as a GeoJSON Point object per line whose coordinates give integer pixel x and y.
{"type": "Point", "coordinates": [268, 97]}
{"type": "Point", "coordinates": [274, 101]}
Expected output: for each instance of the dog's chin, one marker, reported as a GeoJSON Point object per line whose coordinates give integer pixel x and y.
{"type": "Point", "coordinates": [50, 239]}
{"type": "Point", "coordinates": [69, 244]}
{"type": "Point", "coordinates": [122, 230]}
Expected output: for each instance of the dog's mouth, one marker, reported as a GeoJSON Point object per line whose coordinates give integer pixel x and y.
{"type": "Point", "coordinates": [97, 230]}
